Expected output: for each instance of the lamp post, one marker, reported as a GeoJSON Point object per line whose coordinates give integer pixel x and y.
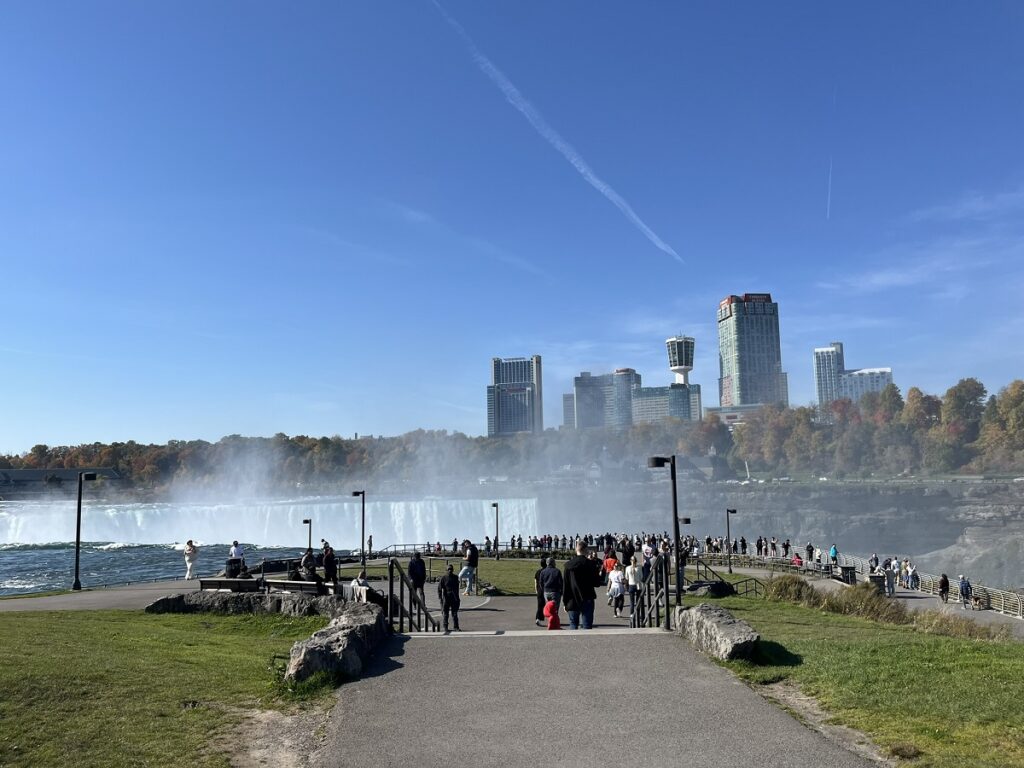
{"type": "Point", "coordinates": [309, 522]}
{"type": "Point", "coordinates": [660, 461]}
{"type": "Point", "coordinates": [497, 555]}
{"type": "Point", "coordinates": [362, 530]}
{"type": "Point", "coordinates": [76, 584]}
{"type": "Point", "coordinates": [728, 536]}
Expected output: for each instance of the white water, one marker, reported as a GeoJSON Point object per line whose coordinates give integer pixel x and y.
{"type": "Point", "coordinates": [276, 523]}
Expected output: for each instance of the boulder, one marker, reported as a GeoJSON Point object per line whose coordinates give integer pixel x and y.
{"type": "Point", "coordinates": [710, 589]}
{"type": "Point", "coordinates": [716, 632]}
{"type": "Point", "coordinates": [285, 603]}
{"type": "Point", "coordinates": [342, 647]}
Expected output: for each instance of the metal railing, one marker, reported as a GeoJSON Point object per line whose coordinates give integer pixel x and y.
{"type": "Point", "coordinates": [408, 604]}
{"type": "Point", "coordinates": [999, 600]}
{"type": "Point", "coordinates": [652, 598]}
{"type": "Point", "coordinates": [772, 564]}
{"type": "Point", "coordinates": [748, 586]}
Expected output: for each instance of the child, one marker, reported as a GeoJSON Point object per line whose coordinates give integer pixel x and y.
{"type": "Point", "coordinates": [551, 612]}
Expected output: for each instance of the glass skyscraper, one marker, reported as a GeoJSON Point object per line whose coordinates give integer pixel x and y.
{"type": "Point", "coordinates": [515, 401]}
{"type": "Point", "coordinates": [750, 352]}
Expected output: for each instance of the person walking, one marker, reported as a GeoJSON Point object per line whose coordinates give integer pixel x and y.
{"type": "Point", "coordinates": [580, 579]}
{"type": "Point", "coordinates": [552, 583]}
{"type": "Point", "coordinates": [330, 564]}
{"type": "Point", "coordinates": [833, 555]}
{"type": "Point", "coordinates": [191, 556]}
{"type": "Point", "coordinates": [890, 579]}
{"type": "Point", "coordinates": [418, 575]}
{"type": "Point", "coordinates": [632, 584]}
{"type": "Point", "coordinates": [944, 588]}
{"type": "Point", "coordinates": [472, 561]}
{"type": "Point", "coordinates": [965, 592]}
{"type": "Point", "coordinates": [448, 594]}
{"type": "Point", "coordinates": [617, 588]}
{"type": "Point", "coordinates": [539, 615]}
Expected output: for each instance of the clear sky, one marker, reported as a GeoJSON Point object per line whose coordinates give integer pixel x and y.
{"type": "Point", "coordinates": [326, 217]}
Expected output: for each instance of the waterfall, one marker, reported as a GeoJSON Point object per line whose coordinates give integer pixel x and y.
{"type": "Point", "coordinates": [269, 523]}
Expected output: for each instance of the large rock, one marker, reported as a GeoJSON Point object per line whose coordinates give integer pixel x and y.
{"type": "Point", "coordinates": [342, 647]}
{"type": "Point", "coordinates": [285, 603]}
{"type": "Point", "coordinates": [716, 632]}
{"type": "Point", "coordinates": [710, 589]}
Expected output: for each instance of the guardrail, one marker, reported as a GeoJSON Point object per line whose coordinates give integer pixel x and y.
{"type": "Point", "coordinates": [772, 564]}
{"type": "Point", "coordinates": [652, 597]}
{"type": "Point", "coordinates": [1000, 600]}
{"type": "Point", "coordinates": [408, 602]}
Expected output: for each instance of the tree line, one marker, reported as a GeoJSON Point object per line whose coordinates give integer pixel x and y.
{"type": "Point", "coordinates": [966, 431]}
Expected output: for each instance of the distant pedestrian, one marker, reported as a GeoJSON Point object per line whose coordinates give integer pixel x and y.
{"type": "Point", "coordinates": [418, 575]}
{"type": "Point", "coordinates": [448, 594]}
{"type": "Point", "coordinates": [369, 546]}
{"type": "Point", "coordinates": [237, 551]}
{"type": "Point", "coordinates": [191, 556]}
{"type": "Point", "coordinates": [308, 566]}
{"type": "Point", "coordinates": [965, 592]}
{"type": "Point", "coordinates": [833, 554]}
{"type": "Point", "coordinates": [632, 584]}
{"type": "Point", "coordinates": [539, 588]}
{"type": "Point", "coordinates": [617, 588]}
{"type": "Point", "coordinates": [944, 588]}
{"type": "Point", "coordinates": [330, 564]}
{"type": "Point", "coordinates": [890, 579]}
{"type": "Point", "coordinates": [552, 583]}
{"type": "Point", "coordinates": [472, 561]}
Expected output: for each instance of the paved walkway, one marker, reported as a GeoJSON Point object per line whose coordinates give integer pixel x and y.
{"type": "Point", "coordinates": [561, 699]}
{"type": "Point", "coordinates": [131, 597]}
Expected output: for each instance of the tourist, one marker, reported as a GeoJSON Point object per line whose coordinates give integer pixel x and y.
{"type": "Point", "coordinates": [743, 545]}
{"type": "Point", "coordinates": [308, 566]}
{"type": "Point", "coordinates": [633, 584]}
{"type": "Point", "coordinates": [487, 546]}
{"type": "Point", "coordinates": [418, 575]}
{"type": "Point", "coordinates": [873, 561]}
{"type": "Point", "coordinates": [330, 564]}
{"type": "Point", "coordinates": [551, 582]}
{"type": "Point", "coordinates": [833, 554]}
{"type": "Point", "coordinates": [890, 579]}
{"type": "Point", "coordinates": [617, 587]}
{"type": "Point", "coordinates": [369, 546]}
{"type": "Point", "coordinates": [944, 588]}
{"type": "Point", "coordinates": [236, 552]}
{"type": "Point", "coordinates": [809, 549]}
{"type": "Point", "coordinates": [472, 558]}
{"type": "Point", "coordinates": [360, 580]}
{"type": "Point", "coordinates": [965, 592]}
{"type": "Point", "coordinates": [580, 578]}
{"type": "Point", "coordinates": [448, 594]}
{"type": "Point", "coordinates": [607, 567]}
{"type": "Point", "coordinates": [539, 588]}
{"type": "Point", "coordinates": [191, 556]}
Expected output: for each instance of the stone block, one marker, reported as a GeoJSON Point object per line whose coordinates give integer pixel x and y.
{"type": "Point", "coordinates": [717, 632]}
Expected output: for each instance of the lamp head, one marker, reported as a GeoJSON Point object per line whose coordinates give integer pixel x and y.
{"type": "Point", "coordinates": [307, 521]}
{"type": "Point", "coordinates": [684, 520]}
{"type": "Point", "coordinates": [494, 504]}
{"type": "Point", "coordinates": [731, 511]}
{"type": "Point", "coordinates": [358, 493]}
{"type": "Point", "coordinates": [656, 461]}
{"type": "Point", "coordinates": [88, 475]}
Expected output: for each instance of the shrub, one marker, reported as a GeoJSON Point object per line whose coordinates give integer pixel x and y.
{"type": "Point", "coordinates": [793, 589]}
{"type": "Point", "coordinates": [863, 600]}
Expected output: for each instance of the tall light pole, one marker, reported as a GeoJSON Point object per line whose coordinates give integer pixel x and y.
{"type": "Point", "coordinates": [728, 536]}
{"type": "Point", "coordinates": [362, 530]}
{"type": "Point", "coordinates": [309, 522]}
{"type": "Point", "coordinates": [497, 555]}
{"type": "Point", "coordinates": [660, 461]}
{"type": "Point", "coordinates": [76, 584]}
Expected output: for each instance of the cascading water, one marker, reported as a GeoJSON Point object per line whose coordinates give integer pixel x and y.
{"type": "Point", "coordinates": [270, 523]}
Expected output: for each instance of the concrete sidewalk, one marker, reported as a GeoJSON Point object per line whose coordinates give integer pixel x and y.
{"type": "Point", "coordinates": [561, 699]}
{"type": "Point", "coordinates": [128, 597]}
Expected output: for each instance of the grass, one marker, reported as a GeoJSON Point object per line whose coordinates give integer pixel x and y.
{"type": "Point", "coordinates": [513, 576]}
{"type": "Point", "coordinates": [120, 688]}
{"type": "Point", "coordinates": [945, 701]}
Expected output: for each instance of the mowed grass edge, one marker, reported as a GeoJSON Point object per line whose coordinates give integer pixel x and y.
{"type": "Point", "coordinates": [118, 688]}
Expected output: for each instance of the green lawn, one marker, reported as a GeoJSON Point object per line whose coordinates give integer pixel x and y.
{"type": "Point", "coordinates": [127, 688]}
{"type": "Point", "coordinates": [955, 702]}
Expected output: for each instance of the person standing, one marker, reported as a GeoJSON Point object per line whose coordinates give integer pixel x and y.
{"type": "Point", "coordinates": [236, 551]}
{"type": "Point", "coordinates": [191, 556]}
{"type": "Point", "coordinates": [369, 546]}
{"type": "Point", "coordinates": [633, 584]}
{"type": "Point", "coordinates": [330, 564]}
{"type": "Point", "coordinates": [580, 578]}
{"type": "Point", "coordinates": [944, 588]}
{"type": "Point", "coordinates": [965, 592]}
{"type": "Point", "coordinates": [539, 615]}
{"type": "Point", "coordinates": [833, 554]}
{"type": "Point", "coordinates": [809, 549]}
{"type": "Point", "coordinates": [418, 575]}
{"type": "Point", "coordinates": [448, 594]}
{"type": "Point", "coordinates": [472, 561]}
{"type": "Point", "coordinates": [551, 583]}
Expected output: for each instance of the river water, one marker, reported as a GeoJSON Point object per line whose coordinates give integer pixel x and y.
{"type": "Point", "coordinates": [138, 541]}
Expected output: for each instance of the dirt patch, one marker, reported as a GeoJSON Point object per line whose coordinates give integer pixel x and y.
{"type": "Point", "coordinates": [808, 711]}
{"type": "Point", "coordinates": [272, 738]}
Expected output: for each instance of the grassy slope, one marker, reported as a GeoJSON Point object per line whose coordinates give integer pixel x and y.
{"type": "Point", "coordinates": [957, 702]}
{"type": "Point", "coordinates": [127, 688]}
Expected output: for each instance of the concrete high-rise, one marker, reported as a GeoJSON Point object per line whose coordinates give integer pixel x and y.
{"type": "Point", "coordinates": [515, 401]}
{"type": "Point", "coordinates": [602, 401]}
{"type": "Point", "coordinates": [750, 352]}
{"type": "Point", "coordinates": [834, 382]}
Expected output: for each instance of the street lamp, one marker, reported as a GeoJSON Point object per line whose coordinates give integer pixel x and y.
{"type": "Point", "coordinates": [497, 556]}
{"type": "Point", "coordinates": [77, 585]}
{"type": "Point", "coordinates": [656, 462]}
{"type": "Point", "coordinates": [728, 536]}
{"type": "Point", "coordinates": [362, 530]}
{"type": "Point", "coordinates": [309, 522]}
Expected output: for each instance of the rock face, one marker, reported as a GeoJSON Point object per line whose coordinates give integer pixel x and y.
{"type": "Point", "coordinates": [249, 602]}
{"type": "Point", "coordinates": [714, 630]}
{"type": "Point", "coordinates": [342, 647]}
{"type": "Point", "coordinates": [710, 589]}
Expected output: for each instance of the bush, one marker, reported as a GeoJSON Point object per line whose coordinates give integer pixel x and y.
{"type": "Point", "coordinates": [863, 600]}
{"type": "Point", "coordinates": [793, 589]}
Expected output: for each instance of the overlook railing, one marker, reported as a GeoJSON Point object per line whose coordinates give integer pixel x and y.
{"type": "Point", "coordinates": [407, 603]}
{"type": "Point", "coordinates": [652, 599]}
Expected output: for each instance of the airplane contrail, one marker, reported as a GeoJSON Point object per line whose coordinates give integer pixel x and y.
{"type": "Point", "coordinates": [828, 201]}
{"type": "Point", "coordinates": [549, 134]}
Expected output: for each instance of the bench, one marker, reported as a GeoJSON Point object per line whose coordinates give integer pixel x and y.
{"type": "Point", "coordinates": [302, 587]}
{"type": "Point", "coordinates": [234, 585]}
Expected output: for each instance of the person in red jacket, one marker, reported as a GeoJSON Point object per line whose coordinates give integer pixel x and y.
{"type": "Point", "coordinates": [551, 612]}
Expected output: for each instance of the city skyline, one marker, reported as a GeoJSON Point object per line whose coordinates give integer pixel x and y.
{"type": "Point", "coordinates": [326, 220]}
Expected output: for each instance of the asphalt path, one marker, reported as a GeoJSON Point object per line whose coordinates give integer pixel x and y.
{"type": "Point", "coordinates": [129, 597]}
{"type": "Point", "coordinates": [561, 699]}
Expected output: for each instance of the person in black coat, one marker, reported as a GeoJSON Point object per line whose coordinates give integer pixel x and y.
{"type": "Point", "coordinates": [579, 580]}
{"type": "Point", "coordinates": [418, 575]}
{"type": "Point", "coordinates": [448, 594]}
{"type": "Point", "coordinates": [330, 564]}
{"type": "Point", "coordinates": [539, 616]}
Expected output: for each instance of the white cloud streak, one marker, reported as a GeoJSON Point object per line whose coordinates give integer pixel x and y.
{"type": "Point", "coordinates": [549, 134]}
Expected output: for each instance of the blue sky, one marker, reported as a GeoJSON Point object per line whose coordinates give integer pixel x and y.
{"type": "Point", "coordinates": [327, 217]}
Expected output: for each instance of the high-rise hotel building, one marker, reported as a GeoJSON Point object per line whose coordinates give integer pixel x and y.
{"type": "Point", "coordinates": [834, 382]}
{"type": "Point", "coordinates": [515, 401]}
{"type": "Point", "coordinates": [750, 352]}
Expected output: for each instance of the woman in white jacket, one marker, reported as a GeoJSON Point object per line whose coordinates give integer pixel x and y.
{"type": "Point", "coordinates": [191, 556]}
{"type": "Point", "coordinates": [617, 587]}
